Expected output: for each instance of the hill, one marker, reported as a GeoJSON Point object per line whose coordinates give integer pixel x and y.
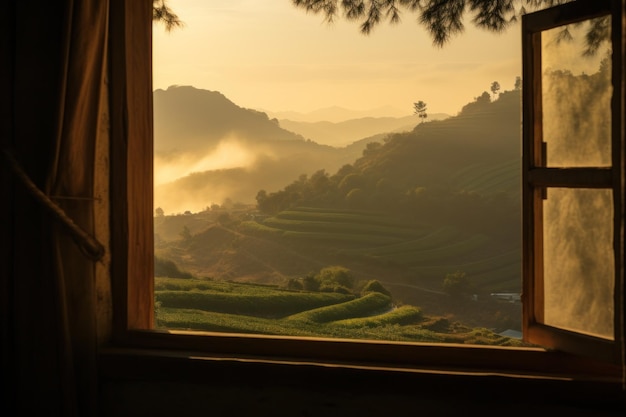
{"type": "Point", "coordinates": [337, 114]}
{"type": "Point", "coordinates": [191, 119]}
{"type": "Point", "coordinates": [209, 151]}
{"type": "Point", "coordinates": [413, 208]}
{"type": "Point", "coordinates": [346, 132]}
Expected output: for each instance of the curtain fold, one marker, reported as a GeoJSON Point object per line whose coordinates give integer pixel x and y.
{"type": "Point", "coordinates": [58, 55]}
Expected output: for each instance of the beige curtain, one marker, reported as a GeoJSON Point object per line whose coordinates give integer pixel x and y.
{"type": "Point", "coordinates": [54, 56]}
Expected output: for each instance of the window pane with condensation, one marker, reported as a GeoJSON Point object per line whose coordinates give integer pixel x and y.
{"type": "Point", "coordinates": [578, 260]}
{"type": "Point", "coordinates": [576, 95]}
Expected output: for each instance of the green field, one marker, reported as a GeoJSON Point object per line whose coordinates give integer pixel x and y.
{"type": "Point", "coordinates": [428, 252]}
{"type": "Point", "coordinates": [229, 307]}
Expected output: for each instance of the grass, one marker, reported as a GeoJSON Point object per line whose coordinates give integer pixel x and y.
{"type": "Point", "coordinates": [338, 238]}
{"type": "Point", "coordinates": [370, 304]}
{"type": "Point", "coordinates": [427, 252]}
{"type": "Point", "coordinates": [243, 299]}
{"type": "Point", "coordinates": [440, 253]}
{"type": "Point", "coordinates": [340, 227]}
{"type": "Point", "coordinates": [229, 307]}
{"type": "Point", "coordinates": [401, 315]}
{"type": "Point", "coordinates": [490, 178]}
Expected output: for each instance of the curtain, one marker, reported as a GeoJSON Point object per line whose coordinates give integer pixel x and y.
{"type": "Point", "coordinates": [54, 67]}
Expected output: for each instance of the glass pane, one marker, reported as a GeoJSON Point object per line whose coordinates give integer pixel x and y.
{"type": "Point", "coordinates": [576, 94]}
{"type": "Point", "coordinates": [578, 260]}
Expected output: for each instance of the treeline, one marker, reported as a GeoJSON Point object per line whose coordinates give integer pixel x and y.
{"type": "Point", "coordinates": [436, 205]}
{"type": "Point", "coordinates": [413, 174]}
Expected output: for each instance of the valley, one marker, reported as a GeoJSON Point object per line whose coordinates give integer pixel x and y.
{"type": "Point", "coordinates": [411, 211]}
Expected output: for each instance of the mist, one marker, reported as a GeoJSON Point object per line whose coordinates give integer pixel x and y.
{"type": "Point", "coordinates": [229, 153]}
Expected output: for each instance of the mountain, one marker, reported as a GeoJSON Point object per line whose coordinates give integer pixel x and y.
{"type": "Point", "coordinates": [209, 150]}
{"type": "Point", "coordinates": [349, 131]}
{"type": "Point", "coordinates": [336, 114]}
{"type": "Point", "coordinates": [191, 119]}
{"type": "Point", "coordinates": [408, 210]}
{"type": "Point", "coordinates": [477, 151]}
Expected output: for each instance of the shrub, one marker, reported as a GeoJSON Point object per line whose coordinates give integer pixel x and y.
{"type": "Point", "coordinates": [335, 276]}
{"type": "Point", "coordinates": [310, 283]}
{"type": "Point", "coordinates": [334, 287]}
{"type": "Point", "coordinates": [294, 284]}
{"type": "Point", "coordinates": [374, 286]}
{"type": "Point", "coordinates": [167, 268]}
{"type": "Point", "coordinates": [456, 284]}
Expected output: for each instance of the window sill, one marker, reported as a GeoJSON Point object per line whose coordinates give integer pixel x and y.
{"type": "Point", "coordinates": [189, 355]}
{"type": "Point", "coordinates": [346, 380]}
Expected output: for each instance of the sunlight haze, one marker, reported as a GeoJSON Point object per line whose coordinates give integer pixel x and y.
{"type": "Point", "coordinates": [271, 56]}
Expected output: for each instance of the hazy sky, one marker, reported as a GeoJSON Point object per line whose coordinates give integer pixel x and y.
{"type": "Point", "coordinates": [266, 54]}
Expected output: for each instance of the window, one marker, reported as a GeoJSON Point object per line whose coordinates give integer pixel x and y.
{"type": "Point", "coordinates": [317, 217]}
{"type": "Point", "coordinates": [573, 157]}
{"type": "Point", "coordinates": [132, 240]}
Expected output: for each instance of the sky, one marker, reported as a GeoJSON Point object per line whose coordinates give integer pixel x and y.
{"type": "Point", "coordinates": [269, 55]}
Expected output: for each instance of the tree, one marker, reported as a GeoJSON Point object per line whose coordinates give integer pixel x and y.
{"type": "Point", "coordinates": [310, 283]}
{"type": "Point", "coordinates": [168, 268]}
{"type": "Point", "coordinates": [159, 212]}
{"type": "Point", "coordinates": [420, 109]}
{"type": "Point", "coordinates": [356, 198]}
{"type": "Point", "coordinates": [372, 148]}
{"type": "Point", "coordinates": [335, 279]}
{"type": "Point", "coordinates": [161, 13]}
{"type": "Point", "coordinates": [185, 234]}
{"type": "Point", "coordinates": [374, 286]}
{"type": "Point", "coordinates": [456, 284]}
{"type": "Point", "coordinates": [495, 87]}
{"type": "Point", "coordinates": [518, 83]}
{"type": "Point", "coordinates": [444, 19]}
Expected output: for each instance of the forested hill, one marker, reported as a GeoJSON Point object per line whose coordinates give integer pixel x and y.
{"type": "Point", "coordinates": [485, 135]}
{"type": "Point", "coordinates": [413, 208]}
{"type": "Point", "coordinates": [188, 118]}
{"type": "Point", "coordinates": [209, 150]}
{"type": "Point", "coordinates": [452, 170]}
{"type": "Point", "coordinates": [466, 152]}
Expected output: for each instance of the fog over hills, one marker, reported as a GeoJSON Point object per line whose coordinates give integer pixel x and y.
{"type": "Point", "coordinates": [188, 118]}
{"type": "Point", "coordinates": [208, 150]}
{"type": "Point", "coordinates": [406, 209]}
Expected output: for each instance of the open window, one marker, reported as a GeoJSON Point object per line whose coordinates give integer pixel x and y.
{"type": "Point", "coordinates": [550, 184]}
{"type": "Point", "coordinates": [573, 179]}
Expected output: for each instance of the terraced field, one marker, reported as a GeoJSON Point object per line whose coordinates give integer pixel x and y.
{"type": "Point", "coordinates": [427, 253]}
{"type": "Point", "coordinates": [492, 178]}
{"type": "Point", "coordinates": [220, 306]}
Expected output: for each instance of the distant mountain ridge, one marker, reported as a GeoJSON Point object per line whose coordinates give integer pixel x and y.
{"type": "Point", "coordinates": [209, 127]}
{"type": "Point", "coordinates": [336, 114]}
{"type": "Point", "coordinates": [349, 131]}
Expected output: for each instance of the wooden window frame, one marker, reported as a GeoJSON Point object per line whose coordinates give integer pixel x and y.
{"type": "Point", "coordinates": [132, 265]}
{"type": "Point", "coordinates": [537, 177]}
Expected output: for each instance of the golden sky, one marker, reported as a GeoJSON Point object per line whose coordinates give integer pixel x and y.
{"type": "Point", "coordinates": [268, 55]}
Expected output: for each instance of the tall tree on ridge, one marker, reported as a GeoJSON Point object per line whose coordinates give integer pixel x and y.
{"type": "Point", "coordinates": [420, 109]}
{"type": "Point", "coordinates": [495, 87]}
